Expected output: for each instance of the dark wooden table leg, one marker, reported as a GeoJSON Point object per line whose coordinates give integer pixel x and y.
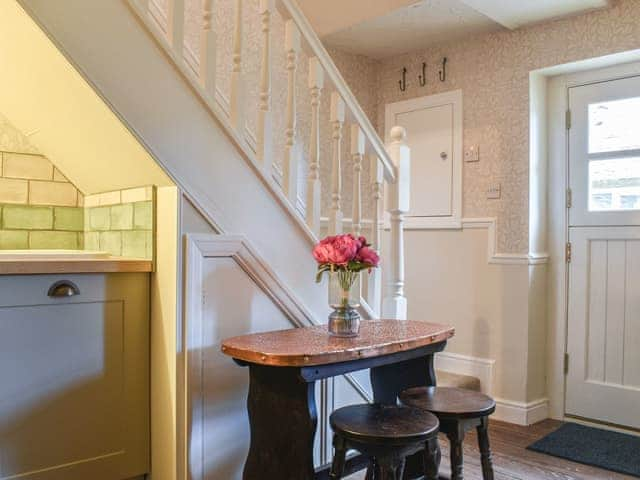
{"type": "Point", "coordinates": [388, 381]}
{"type": "Point", "coordinates": [283, 419]}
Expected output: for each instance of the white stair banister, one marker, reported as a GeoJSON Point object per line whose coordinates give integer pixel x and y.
{"type": "Point", "coordinates": [337, 116]}
{"type": "Point", "coordinates": [237, 98]}
{"type": "Point", "coordinates": [357, 152]}
{"type": "Point", "coordinates": [314, 185]}
{"type": "Point", "coordinates": [175, 21]}
{"type": "Point", "coordinates": [394, 303]}
{"type": "Point", "coordinates": [290, 164]}
{"type": "Point", "coordinates": [264, 134]}
{"type": "Point", "coordinates": [374, 280]}
{"type": "Point", "coordinates": [208, 50]}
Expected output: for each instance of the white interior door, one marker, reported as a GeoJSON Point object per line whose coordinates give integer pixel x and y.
{"type": "Point", "coordinates": [603, 380]}
{"type": "Point", "coordinates": [434, 135]}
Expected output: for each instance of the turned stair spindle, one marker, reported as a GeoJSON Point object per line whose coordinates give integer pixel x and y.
{"type": "Point", "coordinates": [237, 99]}
{"type": "Point", "coordinates": [175, 23]}
{"type": "Point", "coordinates": [264, 130]}
{"type": "Point", "coordinates": [357, 153]}
{"type": "Point", "coordinates": [208, 50]}
{"type": "Point", "coordinates": [316, 83]}
{"type": "Point", "coordinates": [290, 164]}
{"type": "Point", "coordinates": [337, 121]}
{"type": "Point", "coordinates": [376, 179]}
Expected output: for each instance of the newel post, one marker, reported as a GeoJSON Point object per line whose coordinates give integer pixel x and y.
{"type": "Point", "coordinates": [394, 304]}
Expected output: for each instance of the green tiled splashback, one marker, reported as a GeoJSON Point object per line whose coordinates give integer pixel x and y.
{"type": "Point", "coordinates": [41, 227]}
{"type": "Point", "coordinates": [124, 229]}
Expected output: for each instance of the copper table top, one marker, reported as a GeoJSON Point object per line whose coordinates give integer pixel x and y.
{"type": "Point", "coordinates": [298, 347]}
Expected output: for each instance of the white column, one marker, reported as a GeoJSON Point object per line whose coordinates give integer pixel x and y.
{"type": "Point", "coordinates": [337, 120]}
{"type": "Point", "coordinates": [265, 133]}
{"type": "Point", "coordinates": [394, 304]}
{"type": "Point", "coordinates": [290, 164]}
{"type": "Point", "coordinates": [237, 98]}
{"type": "Point", "coordinates": [314, 186]}
{"type": "Point", "coordinates": [208, 50]}
{"type": "Point", "coordinates": [374, 280]}
{"type": "Point", "coordinates": [357, 152]}
{"type": "Point", "coordinates": [175, 22]}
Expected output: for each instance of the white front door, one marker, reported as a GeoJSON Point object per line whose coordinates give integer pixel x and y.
{"type": "Point", "coordinates": [603, 380]}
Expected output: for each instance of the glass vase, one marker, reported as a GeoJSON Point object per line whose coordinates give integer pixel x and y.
{"type": "Point", "coordinates": [344, 299]}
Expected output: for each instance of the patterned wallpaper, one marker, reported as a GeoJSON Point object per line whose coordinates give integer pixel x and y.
{"type": "Point", "coordinates": [493, 72]}
{"type": "Point", "coordinates": [360, 72]}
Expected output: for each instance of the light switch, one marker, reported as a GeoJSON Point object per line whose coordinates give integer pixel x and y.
{"type": "Point", "coordinates": [494, 191]}
{"type": "Point", "coordinates": [472, 154]}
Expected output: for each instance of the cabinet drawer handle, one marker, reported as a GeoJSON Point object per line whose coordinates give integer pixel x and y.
{"type": "Point", "coordinates": [63, 288]}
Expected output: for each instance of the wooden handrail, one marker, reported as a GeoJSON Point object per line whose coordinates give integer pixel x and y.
{"type": "Point", "coordinates": [293, 10]}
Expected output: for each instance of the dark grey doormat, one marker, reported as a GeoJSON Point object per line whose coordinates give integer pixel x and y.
{"type": "Point", "coordinates": [613, 451]}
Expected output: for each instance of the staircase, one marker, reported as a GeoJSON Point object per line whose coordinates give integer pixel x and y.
{"type": "Point", "coordinates": [281, 170]}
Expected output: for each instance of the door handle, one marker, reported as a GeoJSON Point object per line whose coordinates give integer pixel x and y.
{"type": "Point", "coordinates": [63, 288]}
{"type": "Point", "coordinates": [443, 155]}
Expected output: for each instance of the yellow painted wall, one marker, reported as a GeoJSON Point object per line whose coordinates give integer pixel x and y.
{"type": "Point", "coordinates": [44, 96]}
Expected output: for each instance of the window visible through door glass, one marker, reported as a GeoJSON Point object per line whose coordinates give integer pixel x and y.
{"type": "Point", "coordinates": [614, 184]}
{"type": "Point", "coordinates": [614, 126]}
{"type": "Point", "coordinates": [614, 155]}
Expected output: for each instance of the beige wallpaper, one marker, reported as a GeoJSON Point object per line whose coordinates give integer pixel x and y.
{"type": "Point", "coordinates": [493, 72]}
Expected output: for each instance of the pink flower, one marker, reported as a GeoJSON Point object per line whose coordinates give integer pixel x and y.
{"type": "Point", "coordinates": [345, 248]}
{"type": "Point", "coordinates": [322, 252]}
{"type": "Point", "coordinates": [369, 256]}
{"type": "Point", "coordinates": [337, 250]}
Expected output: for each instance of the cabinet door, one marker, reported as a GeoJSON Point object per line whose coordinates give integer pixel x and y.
{"type": "Point", "coordinates": [71, 403]}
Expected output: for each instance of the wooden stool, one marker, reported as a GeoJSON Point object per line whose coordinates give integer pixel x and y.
{"type": "Point", "coordinates": [387, 434]}
{"type": "Point", "coordinates": [458, 411]}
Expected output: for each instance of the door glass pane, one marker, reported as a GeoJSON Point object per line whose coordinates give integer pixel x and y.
{"type": "Point", "coordinates": [614, 184]}
{"type": "Point", "coordinates": [614, 126]}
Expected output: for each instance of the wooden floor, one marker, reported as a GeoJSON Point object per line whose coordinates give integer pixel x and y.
{"type": "Point", "coordinates": [513, 462]}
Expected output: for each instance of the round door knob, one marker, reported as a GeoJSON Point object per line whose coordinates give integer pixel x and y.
{"type": "Point", "coordinates": [443, 155]}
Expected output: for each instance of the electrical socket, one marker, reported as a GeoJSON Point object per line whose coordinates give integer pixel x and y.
{"type": "Point", "coordinates": [472, 154]}
{"type": "Point", "coordinates": [494, 191]}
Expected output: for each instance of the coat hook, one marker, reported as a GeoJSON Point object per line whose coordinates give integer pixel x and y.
{"type": "Point", "coordinates": [403, 82]}
{"type": "Point", "coordinates": [422, 78]}
{"type": "Point", "coordinates": [443, 73]}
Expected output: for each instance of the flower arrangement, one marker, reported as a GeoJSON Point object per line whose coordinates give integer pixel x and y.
{"type": "Point", "coordinates": [346, 256]}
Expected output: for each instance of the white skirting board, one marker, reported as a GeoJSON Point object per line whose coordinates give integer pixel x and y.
{"type": "Point", "coordinates": [521, 413]}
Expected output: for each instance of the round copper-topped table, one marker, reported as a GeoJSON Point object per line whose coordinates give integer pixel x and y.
{"type": "Point", "coordinates": [284, 366]}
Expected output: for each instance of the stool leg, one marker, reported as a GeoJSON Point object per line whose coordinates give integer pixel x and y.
{"type": "Point", "coordinates": [485, 449]}
{"type": "Point", "coordinates": [432, 459]}
{"type": "Point", "coordinates": [456, 437]}
{"type": "Point", "coordinates": [390, 468]}
{"type": "Point", "coordinates": [372, 470]}
{"type": "Point", "coordinates": [339, 457]}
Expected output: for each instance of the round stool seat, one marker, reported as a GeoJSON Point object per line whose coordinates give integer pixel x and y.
{"type": "Point", "coordinates": [388, 424]}
{"type": "Point", "coordinates": [447, 402]}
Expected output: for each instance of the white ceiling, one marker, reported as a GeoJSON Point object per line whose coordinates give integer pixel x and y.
{"type": "Point", "coordinates": [383, 28]}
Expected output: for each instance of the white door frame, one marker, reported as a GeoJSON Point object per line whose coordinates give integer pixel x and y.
{"type": "Point", "coordinates": [453, 97]}
{"type": "Point", "coordinates": [558, 224]}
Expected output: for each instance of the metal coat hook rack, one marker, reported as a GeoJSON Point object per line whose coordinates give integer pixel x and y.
{"type": "Point", "coordinates": [403, 81]}
{"type": "Point", "coordinates": [422, 78]}
{"type": "Point", "coordinates": [442, 74]}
